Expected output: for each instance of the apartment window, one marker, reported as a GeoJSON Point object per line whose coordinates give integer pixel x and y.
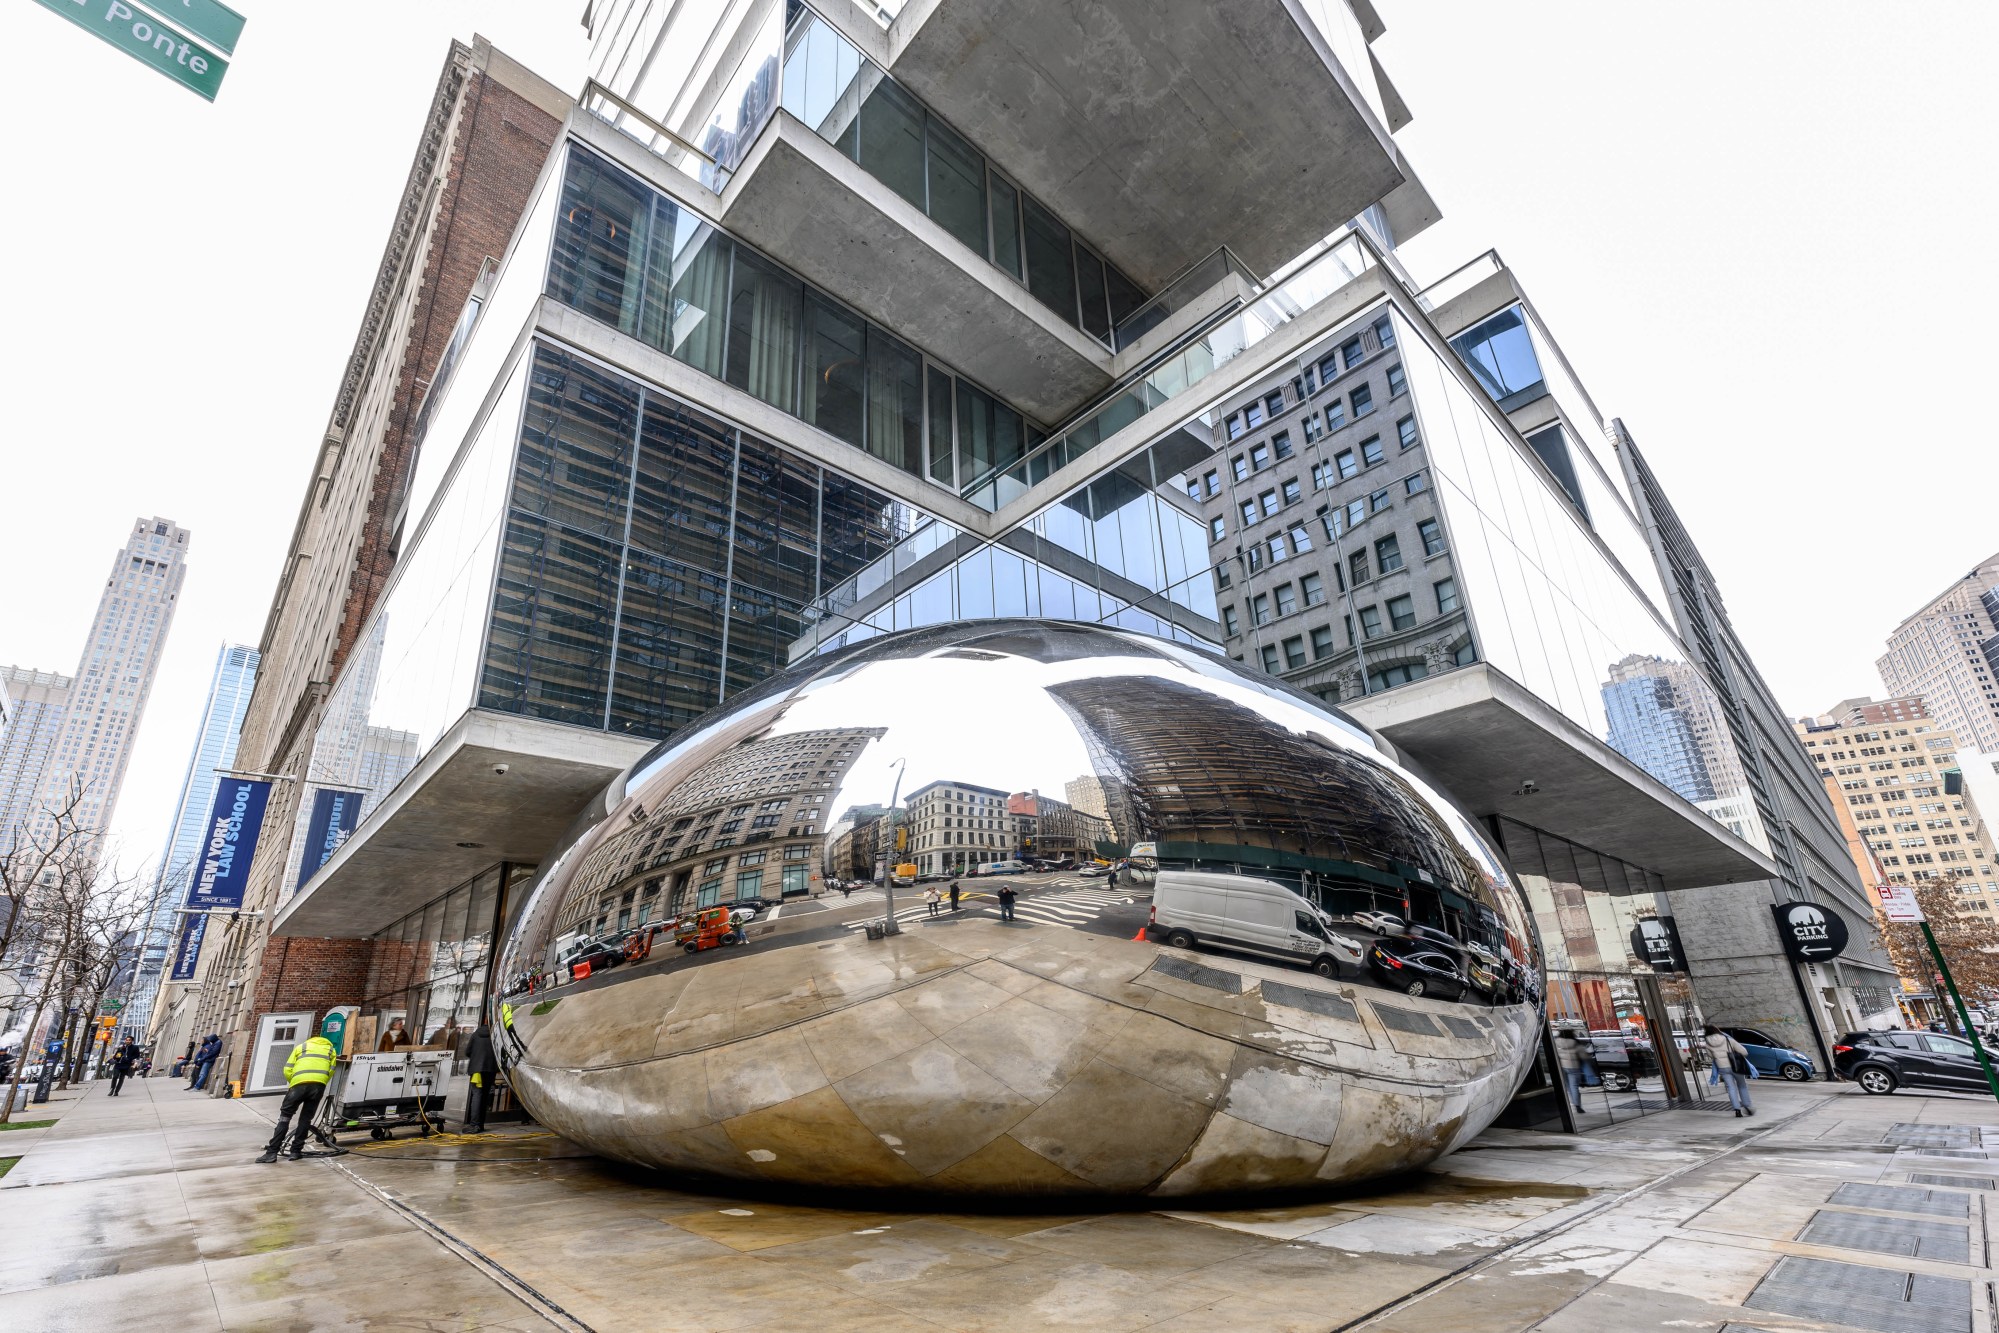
{"type": "Point", "coordinates": [1413, 484]}
{"type": "Point", "coordinates": [1370, 450]}
{"type": "Point", "coordinates": [1432, 535]}
{"type": "Point", "coordinates": [1216, 530]}
{"type": "Point", "coordinates": [1363, 401]}
{"type": "Point", "coordinates": [1356, 513]}
{"type": "Point", "coordinates": [1269, 502]}
{"type": "Point", "coordinates": [1336, 414]}
{"type": "Point", "coordinates": [1398, 383]}
{"type": "Point", "coordinates": [1402, 611]}
{"type": "Point", "coordinates": [1193, 490]}
{"type": "Point", "coordinates": [1260, 608]}
{"type": "Point", "coordinates": [1239, 467]}
{"type": "Point", "coordinates": [1344, 461]}
{"type": "Point", "coordinates": [1405, 431]}
{"type": "Point", "coordinates": [1230, 625]}
{"type": "Point", "coordinates": [1322, 475]}
{"type": "Point", "coordinates": [1357, 567]}
{"type": "Point", "coordinates": [1259, 457]}
{"type": "Point", "coordinates": [1384, 332]}
{"type": "Point", "coordinates": [1301, 541]}
{"type": "Point", "coordinates": [1399, 674]}
{"type": "Point", "coordinates": [1292, 493]}
{"type": "Point", "coordinates": [1287, 599]}
{"type": "Point", "coordinates": [1500, 355]}
{"type": "Point", "coordinates": [1351, 352]}
{"type": "Point", "coordinates": [1254, 554]}
{"type": "Point", "coordinates": [1329, 368]}
{"type": "Point", "coordinates": [1248, 512]}
{"type": "Point", "coordinates": [1346, 623]}
{"type": "Point", "coordinates": [1270, 658]}
{"type": "Point", "coordinates": [1294, 651]}
{"type": "Point", "coordinates": [1253, 414]}
{"type": "Point", "coordinates": [1322, 642]}
{"type": "Point", "coordinates": [1275, 404]}
{"type": "Point", "coordinates": [1377, 500]}
{"type": "Point", "coordinates": [1234, 424]}
{"type": "Point", "coordinates": [1447, 596]}
{"type": "Point", "coordinates": [1222, 576]}
{"type": "Point", "coordinates": [1388, 553]}
{"type": "Point", "coordinates": [1370, 621]}
{"type": "Point", "coordinates": [1314, 428]}
{"type": "Point", "coordinates": [1280, 445]}
{"type": "Point", "coordinates": [1277, 551]}
{"type": "Point", "coordinates": [1212, 482]}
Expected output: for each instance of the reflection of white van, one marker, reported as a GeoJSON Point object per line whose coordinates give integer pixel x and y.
{"type": "Point", "coordinates": [1241, 912]}
{"type": "Point", "coordinates": [1141, 868]}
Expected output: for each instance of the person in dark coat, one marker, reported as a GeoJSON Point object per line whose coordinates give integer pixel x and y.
{"type": "Point", "coordinates": [122, 1061]}
{"type": "Point", "coordinates": [954, 895]}
{"type": "Point", "coordinates": [203, 1061]}
{"type": "Point", "coordinates": [483, 1068]}
{"type": "Point", "coordinates": [1006, 902]}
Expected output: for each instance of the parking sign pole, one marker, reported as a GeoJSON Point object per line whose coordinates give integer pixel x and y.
{"type": "Point", "coordinates": [1963, 1014]}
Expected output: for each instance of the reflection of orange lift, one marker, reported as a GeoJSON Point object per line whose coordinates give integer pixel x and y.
{"type": "Point", "coordinates": [639, 947]}
{"type": "Point", "coordinates": [709, 928]}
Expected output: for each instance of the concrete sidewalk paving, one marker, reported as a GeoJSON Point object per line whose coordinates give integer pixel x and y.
{"type": "Point", "coordinates": [1822, 1208]}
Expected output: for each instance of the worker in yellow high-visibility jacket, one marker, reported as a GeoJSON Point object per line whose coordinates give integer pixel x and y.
{"type": "Point", "coordinates": [306, 1073]}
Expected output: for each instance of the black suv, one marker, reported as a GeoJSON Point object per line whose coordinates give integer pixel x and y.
{"type": "Point", "coordinates": [1885, 1061]}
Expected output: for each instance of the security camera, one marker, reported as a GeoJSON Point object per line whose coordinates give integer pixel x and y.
{"type": "Point", "coordinates": [499, 770]}
{"type": "Point", "coordinates": [233, 985]}
{"type": "Point", "coordinates": [1527, 788]}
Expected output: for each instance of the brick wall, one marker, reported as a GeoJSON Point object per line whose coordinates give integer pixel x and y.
{"type": "Point", "coordinates": [495, 159]}
{"type": "Point", "coordinates": [301, 974]}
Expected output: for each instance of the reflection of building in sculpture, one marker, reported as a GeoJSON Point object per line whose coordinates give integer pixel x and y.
{"type": "Point", "coordinates": [957, 825]}
{"type": "Point", "coordinates": [387, 755]}
{"type": "Point", "coordinates": [1108, 799]}
{"type": "Point", "coordinates": [1046, 828]}
{"type": "Point", "coordinates": [1664, 718]}
{"type": "Point", "coordinates": [1216, 784]}
{"type": "Point", "coordinates": [748, 824]}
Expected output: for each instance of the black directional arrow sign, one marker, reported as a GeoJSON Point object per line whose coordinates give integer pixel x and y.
{"type": "Point", "coordinates": [1811, 933]}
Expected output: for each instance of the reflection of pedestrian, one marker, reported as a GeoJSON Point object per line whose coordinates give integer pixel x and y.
{"type": "Point", "coordinates": [954, 895]}
{"type": "Point", "coordinates": [397, 1035]}
{"type": "Point", "coordinates": [931, 899]}
{"type": "Point", "coordinates": [1006, 896]}
{"type": "Point", "coordinates": [1569, 1055]}
{"type": "Point", "coordinates": [1111, 879]}
{"type": "Point", "coordinates": [1733, 1063]}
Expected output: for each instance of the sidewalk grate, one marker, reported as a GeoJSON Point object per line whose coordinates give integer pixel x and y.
{"type": "Point", "coordinates": [1200, 976]}
{"type": "Point", "coordinates": [1902, 1199]}
{"type": "Point", "coordinates": [1946, 1242]}
{"type": "Point", "coordinates": [1933, 1136]}
{"type": "Point", "coordinates": [1311, 1001]}
{"type": "Point", "coordinates": [1954, 1182]}
{"type": "Point", "coordinates": [1974, 1154]}
{"type": "Point", "coordinates": [1461, 1027]}
{"type": "Point", "coordinates": [1407, 1020]}
{"type": "Point", "coordinates": [1861, 1297]}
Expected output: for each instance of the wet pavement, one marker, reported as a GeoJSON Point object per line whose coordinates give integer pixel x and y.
{"type": "Point", "coordinates": [1829, 1205]}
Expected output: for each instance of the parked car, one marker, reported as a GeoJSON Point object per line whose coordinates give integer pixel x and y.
{"type": "Point", "coordinates": [1417, 966]}
{"type": "Point", "coordinates": [1095, 871]}
{"type": "Point", "coordinates": [1771, 1056]}
{"type": "Point", "coordinates": [1622, 1059]}
{"type": "Point", "coordinates": [1248, 915]}
{"type": "Point", "coordinates": [1381, 923]}
{"type": "Point", "coordinates": [1881, 1062]}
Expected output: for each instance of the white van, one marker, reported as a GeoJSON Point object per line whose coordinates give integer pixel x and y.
{"type": "Point", "coordinates": [1008, 867]}
{"type": "Point", "coordinates": [1247, 914]}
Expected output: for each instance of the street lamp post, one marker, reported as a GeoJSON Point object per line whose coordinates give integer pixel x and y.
{"type": "Point", "coordinates": [889, 926]}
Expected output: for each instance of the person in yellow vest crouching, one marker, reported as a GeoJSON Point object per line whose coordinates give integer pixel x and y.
{"type": "Point", "coordinates": [306, 1073]}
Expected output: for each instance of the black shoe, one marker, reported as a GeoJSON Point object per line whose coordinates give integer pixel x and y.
{"type": "Point", "coordinates": [270, 1155]}
{"type": "Point", "coordinates": [1738, 1113]}
{"type": "Point", "coordinates": [1752, 1110]}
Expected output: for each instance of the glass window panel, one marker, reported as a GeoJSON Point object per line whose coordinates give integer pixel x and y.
{"type": "Point", "coordinates": [940, 428]}
{"type": "Point", "coordinates": [831, 397]}
{"type": "Point", "coordinates": [686, 461]}
{"type": "Point", "coordinates": [700, 272]}
{"type": "Point", "coordinates": [765, 306]}
{"type": "Point", "coordinates": [1005, 213]}
{"type": "Point", "coordinates": [548, 652]}
{"type": "Point", "coordinates": [480, 911]}
{"type": "Point", "coordinates": [1090, 288]}
{"type": "Point", "coordinates": [777, 521]}
{"type": "Point", "coordinates": [598, 259]}
{"type": "Point", "coordinates": [895, 402]}
{"type": "Point", "coordinates": [1501, 356]}
{"type": "Point", "coordinates": [669, 666]}
{"type": "Point", "coordinates": [989, 435]}
{"type": "Point", "coordinates": [858, 526]}
{"type": "Point", "coordinates": [820, 69]}
{"type": "Point", "coordinates": [574, 464]}
{"type": "Point", "coordinates": [1051, 261]}
{"type": "Point", "coordinates": [761, 628]}
{"type": "Point", "coordinates": [957, 187]}
{"type": "Point", "coordinates": [892, 140]}
{"type": "Point", "coordinates": [1125, 297]}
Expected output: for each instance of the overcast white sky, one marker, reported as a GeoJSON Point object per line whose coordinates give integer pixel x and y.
{"type": "Point", "coordinates": [1761, 233]}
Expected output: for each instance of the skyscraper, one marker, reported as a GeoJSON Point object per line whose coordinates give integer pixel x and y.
{"type": "Point", "coordinates": [214, 748]}
{"type": "Point", "coordinates": [106, 699]}
{"type": "Point", "coordinates": [37, 701]}
{"type": "Point", "coordinates": [1948, 652]}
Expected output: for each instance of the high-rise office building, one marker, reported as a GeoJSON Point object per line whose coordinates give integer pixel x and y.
{"type": "Point", "coordinates": [37, 701]}
{"type": "Point", "coordinates": [214, 748]}
{"type": "Point", "coordinates": [1948, 654]}
{"type": "Point", "coordinates": [822, 323]}
{"type": "Point", "coordinates": [106, 699]}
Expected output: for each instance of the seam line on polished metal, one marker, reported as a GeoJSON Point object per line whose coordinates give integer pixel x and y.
{"type": "Point", "coordinates": [1485, 1261]}
{"type": "Point", "coordinates": [1247, 1043]}
{"type": "Point", "coordinates": [471, 1255]}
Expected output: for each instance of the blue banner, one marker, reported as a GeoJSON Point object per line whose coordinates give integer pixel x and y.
{"type": "Point", "coordinates": [231, 841]}
{"type": "Point", "coordinates": [192, 927]}
{"type": "Point", "coordinates": [334, 815]}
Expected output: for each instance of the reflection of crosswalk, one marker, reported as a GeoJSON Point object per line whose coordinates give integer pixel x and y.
{"type": "Point", "coordinates": [1070, 908]}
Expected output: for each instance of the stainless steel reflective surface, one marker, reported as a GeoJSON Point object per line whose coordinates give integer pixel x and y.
{"type": "Point", "coordinates": [1205, 935]}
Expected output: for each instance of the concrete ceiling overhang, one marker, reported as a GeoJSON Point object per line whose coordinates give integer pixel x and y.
{"type": "Point", "coordinates": [797, 197]}
{"type": "Point", "coordinates": [409, 850]}
{"type": "Point", "coordinates": [1483, 737]}
{"type": "Point", "coordinates": [1158, 129]}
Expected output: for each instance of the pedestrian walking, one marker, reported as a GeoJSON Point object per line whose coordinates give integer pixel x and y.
{"type": "Point", "coordinates": [1733, 1063]}
{"type": "Point", "coordinates": [932, 899]}
{"type": "Point", "coordinates": [1006, 896]}
{"type": "Point", "coordinates": [954, 895]}
{"type": "Point", "coordinates": [1110, 881]}
{"type": "Point", "coordinates": [483, 1068]}
{"type": "Point", "coordinates": [122, 1061]}
{"type": "Point", "coordinates": [307, 1069]}
{"type": "Point", "coordinates": [1569, 1056]}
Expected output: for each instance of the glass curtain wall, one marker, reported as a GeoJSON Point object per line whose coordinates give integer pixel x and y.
{"type": "Point", "coordinates": [631, 257]}
{"type": "Point", "coordinates": [658, 559]}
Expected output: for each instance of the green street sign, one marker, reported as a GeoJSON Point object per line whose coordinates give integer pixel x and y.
{"type": "Point", "coordinates": [147, 40]}
{"type": "Point", "coordinates": [218, 25]}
